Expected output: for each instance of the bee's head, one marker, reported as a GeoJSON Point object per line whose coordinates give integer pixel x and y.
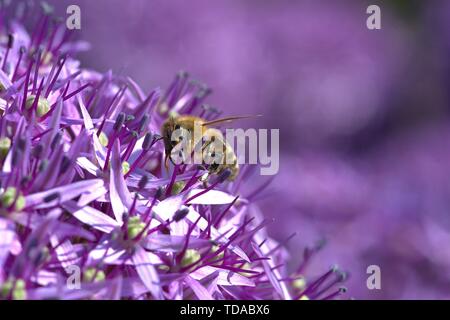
{"type": "Point", "coordinates": [171, 134]}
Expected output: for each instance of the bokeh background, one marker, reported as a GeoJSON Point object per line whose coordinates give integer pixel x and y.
{"type": "Point", "coordinates": [363, 116]}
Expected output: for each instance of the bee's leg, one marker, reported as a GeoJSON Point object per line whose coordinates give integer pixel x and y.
{"type": "Point", "coordinates": [166, 162]}
{"type": "Point", "coordinates": [204, 178]}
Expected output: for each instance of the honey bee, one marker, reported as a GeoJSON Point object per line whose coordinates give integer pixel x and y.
{"type": "Point", "coordinates": [208, 140]}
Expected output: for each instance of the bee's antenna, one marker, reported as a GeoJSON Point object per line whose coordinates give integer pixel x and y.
{"type": "Point", "coordinates": [229, 119]}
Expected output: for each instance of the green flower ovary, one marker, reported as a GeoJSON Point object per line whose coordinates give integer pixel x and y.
{"type": "Point", "coordinates": [135, 227]}
{"type": "Point", "coordinates": [43, 106]}
{"type": "Point", "coordinates": [16, 289]}
{"type": "Point", "coordinates": [8, 197]}
{"type": "Point", "coordinates": [5, 144]}
{"type": "Point", "coordinates": [88, 275]}
{"type": "Point", "coordinates": [299, 283]}
{"type": "Point", "coordinates": [125, 167]}
{"type": "Point", "coordinates": [246, 266]}
{"type": "Point", "coordinates": [177, 187]}
{"type": "Point", "coordinates": [190, 256]}
{"type": "Point", "coordinates": [214, 249]}
{"type": "Point", "coordinates": [103, 138]}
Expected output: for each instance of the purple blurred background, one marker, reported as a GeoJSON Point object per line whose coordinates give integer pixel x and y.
{"type": "Point", "coordinates": [363, 116]}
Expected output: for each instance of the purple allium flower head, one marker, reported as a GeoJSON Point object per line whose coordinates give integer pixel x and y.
{"type": "Point", "coordinates": [88, 210]}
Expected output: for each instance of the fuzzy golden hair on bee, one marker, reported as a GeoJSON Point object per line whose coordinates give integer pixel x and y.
{"type": "Point", "coordinates": [215, 146]}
